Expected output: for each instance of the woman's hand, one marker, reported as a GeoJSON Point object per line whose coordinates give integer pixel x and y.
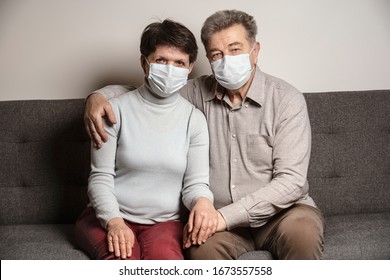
{"type": "Point", "coordinates": [96, 108]}
{"type": "Point", "coordinates": [120, 238]}
{"type": "Point", "coordinates": [202, 223]}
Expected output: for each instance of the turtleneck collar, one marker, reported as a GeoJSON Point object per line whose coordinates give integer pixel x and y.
{"type": "Point", "coordinates": [147, 93]}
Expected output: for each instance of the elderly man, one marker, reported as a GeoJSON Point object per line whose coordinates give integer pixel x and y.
{"type": "Point", "coordinates": [260, 141]}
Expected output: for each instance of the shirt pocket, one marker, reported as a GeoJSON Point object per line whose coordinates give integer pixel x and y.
{"type": "Point", "coordinates": [259, 152]}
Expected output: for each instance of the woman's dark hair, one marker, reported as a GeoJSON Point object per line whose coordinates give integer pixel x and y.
{"type": "Point", "coordinates": [168, 33]}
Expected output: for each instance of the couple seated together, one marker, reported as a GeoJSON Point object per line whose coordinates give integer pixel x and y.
{"type": "Point", "coordinates": [208, 168]}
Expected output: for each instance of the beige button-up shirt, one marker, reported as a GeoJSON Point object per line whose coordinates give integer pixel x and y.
{"type": "Point", "coordinates": [259, 151]}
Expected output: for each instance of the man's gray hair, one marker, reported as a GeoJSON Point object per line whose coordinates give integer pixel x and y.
{"type": "Point", "coordinates": [225, 19]}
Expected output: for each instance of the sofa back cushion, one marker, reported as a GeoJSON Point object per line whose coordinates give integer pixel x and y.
{"type": "Point", "coordinates": [44, 165]}
{"type": "Point", "coordinates": [349, 170]}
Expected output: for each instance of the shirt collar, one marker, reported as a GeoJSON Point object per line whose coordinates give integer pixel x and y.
{"type": "Point", "coordinates": [255, 92]}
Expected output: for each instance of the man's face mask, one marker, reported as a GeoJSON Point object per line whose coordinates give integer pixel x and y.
{"type": "Point", "coordinates": [166, 79]}
{"type": "Point", "coordinates": [233, 71]}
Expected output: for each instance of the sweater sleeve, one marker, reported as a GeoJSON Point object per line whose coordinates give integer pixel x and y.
{"type": "Point", "coordinates": [196, 178]}
{"type": "Point", "coordinates": [101, 191]}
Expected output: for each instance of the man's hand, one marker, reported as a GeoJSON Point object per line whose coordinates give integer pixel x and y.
{"type": "Point", "coordinates": [120, 238]}
{"type": "Point", "coordinates": [96, 108]}
{"type": "Point", "coordinates": [202, 223]}
{"type": "Point", "coordinates": [187, 240]}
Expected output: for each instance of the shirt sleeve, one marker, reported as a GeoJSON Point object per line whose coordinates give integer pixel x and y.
{"type": "Point", "coordinates": [196, 178]}
{"type": "Point", "coordinates": [291, 154]}
{"type": "Point", "coordinates": [101, 190]}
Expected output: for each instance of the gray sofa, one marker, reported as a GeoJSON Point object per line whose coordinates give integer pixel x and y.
{"type": "Point", "coordinates": [44, 167]}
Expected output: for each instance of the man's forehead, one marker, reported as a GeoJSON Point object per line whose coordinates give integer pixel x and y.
{"type": "Point", "coordinates": [229, 37]}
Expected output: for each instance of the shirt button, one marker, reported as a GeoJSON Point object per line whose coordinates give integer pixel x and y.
{"type": "Point", "coordinates": [234, 136]}
{"type": "Point", "coordinates": [233, 186]}
{"type": "Point", "coordinates": [235, 160]}
{"type": "Point", "coordinates": [246, 105]}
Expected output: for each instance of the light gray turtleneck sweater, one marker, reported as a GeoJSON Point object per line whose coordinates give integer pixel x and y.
{"type": "Point", "coordinates": [157, 155]}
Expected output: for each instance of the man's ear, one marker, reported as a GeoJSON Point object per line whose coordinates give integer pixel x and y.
{"type": "Point", "coordinates": [256, 52]}
{"type": "Point", "coordinates": [257, 48]}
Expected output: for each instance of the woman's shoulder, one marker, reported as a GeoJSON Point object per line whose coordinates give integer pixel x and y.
{"type": "Point", "coordinates": [123, 100]}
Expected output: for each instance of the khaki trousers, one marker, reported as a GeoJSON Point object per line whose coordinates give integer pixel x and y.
{"type": "Point", "coordinates": [296, 233]}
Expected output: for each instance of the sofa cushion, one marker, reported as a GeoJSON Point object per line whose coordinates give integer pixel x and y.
{"type": "Point", "coordinates": [350, 157]}
{"type": "Point", "coordinates": [38, 242]}
{"type": "Point", "coordinates": [362, 236]}
{"type": "Point", "coordinates": [350, 237]}
{"type": "Point", "coordinates": [45, 161]}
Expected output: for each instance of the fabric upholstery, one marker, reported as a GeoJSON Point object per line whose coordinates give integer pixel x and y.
{"type": "Point", "coordinates": [44, 168]}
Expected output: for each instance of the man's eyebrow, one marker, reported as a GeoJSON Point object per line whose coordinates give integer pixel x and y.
{"type": "Point", "coordinates": [235, 44]}
{"type": "Point", "coordinates": [214, 50]}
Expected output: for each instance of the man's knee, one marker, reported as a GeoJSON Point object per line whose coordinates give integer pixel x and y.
{"type": "Point", "coordinates": [225, 245]}
{"type": "Point", "coordinates": [302, 234]}
{"type": "Point", "coordinates": [212, 249]}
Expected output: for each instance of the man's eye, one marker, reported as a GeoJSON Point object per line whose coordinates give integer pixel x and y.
{"type": "Point", "coordinates": [216, 56]}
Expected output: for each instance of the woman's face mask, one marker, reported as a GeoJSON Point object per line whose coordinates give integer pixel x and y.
{"type": "Point", "coordinates": [166, 79]}
{"type": "Point", "coordinates": [233, 71]}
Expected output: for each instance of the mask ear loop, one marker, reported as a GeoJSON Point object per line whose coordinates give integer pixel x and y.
{"type": "Point", "coordinates": [249, 55]}
{"type": "Point", "coordinates": [253, 47]}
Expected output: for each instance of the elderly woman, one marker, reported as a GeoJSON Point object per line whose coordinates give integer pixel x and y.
{"type": "Point", "coordinates": [155, 160]}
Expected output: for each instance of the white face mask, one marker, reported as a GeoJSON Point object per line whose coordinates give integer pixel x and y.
{"type": "Point", "coordinates": [166, 79]}
{"type": "Point", "coordinates": [232, 71]}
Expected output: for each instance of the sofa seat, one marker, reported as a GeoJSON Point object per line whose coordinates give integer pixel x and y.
{"type": "Point", "coordinates": [38, 242]}
{"type": "Point", "coordinates": [350, 237]}
{"type": "Point", "coordinates": [360, 236]}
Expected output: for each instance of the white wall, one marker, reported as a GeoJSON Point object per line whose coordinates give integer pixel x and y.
{"type": "Point", "coordinates": [57, 49]}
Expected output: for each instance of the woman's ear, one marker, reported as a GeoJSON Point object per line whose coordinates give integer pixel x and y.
{"type": "Point", "coordinates": [191, 66]}
{"type": "Point", "coordinates": [143, 63]}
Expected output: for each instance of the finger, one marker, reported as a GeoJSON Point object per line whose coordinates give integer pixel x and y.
{"type": "Point", "coordinates": [190, 223]}
{"type": "Point", "coordinates": [197, 227]}
{"type": "Point", "coordinates": [129, 248]}
{"type": "Point", "coordinates": [204, 228]}
{"type": "Point", "coordinates": [186, 237]}
{"type": "Point", "coordinates": [123, 248]}
{"type": "Point", "coordinates": [130, 244]}
{"type": "Point", "coordinates": [98, 131]}
{"type": "Point", "coordinates": [110, 244]}
{"type": "Point", "coordinates": [86, 125]}
{"type": "Point", "coordinates": [110, 113]}
{"type": "Point", "coordinates": [207, 234]}
{"type": "Point", "coordinates": [214, 226]}
{"type": "Point", "coordinates": [95, 137]}
{"type": "Point", "coordinates": [117, 250]}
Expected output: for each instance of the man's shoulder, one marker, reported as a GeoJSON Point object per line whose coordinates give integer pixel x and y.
{"type": "Point", "coordinates": [204, 84]}
{"type": "Point", "coordinates": [279, 86]}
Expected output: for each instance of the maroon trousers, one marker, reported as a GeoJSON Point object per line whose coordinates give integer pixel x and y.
{"type": "Point", "coordinates": [162, 241]}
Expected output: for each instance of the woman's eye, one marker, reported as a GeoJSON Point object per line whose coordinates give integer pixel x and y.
{"type": "Point", "coordinates": [161, 61]}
